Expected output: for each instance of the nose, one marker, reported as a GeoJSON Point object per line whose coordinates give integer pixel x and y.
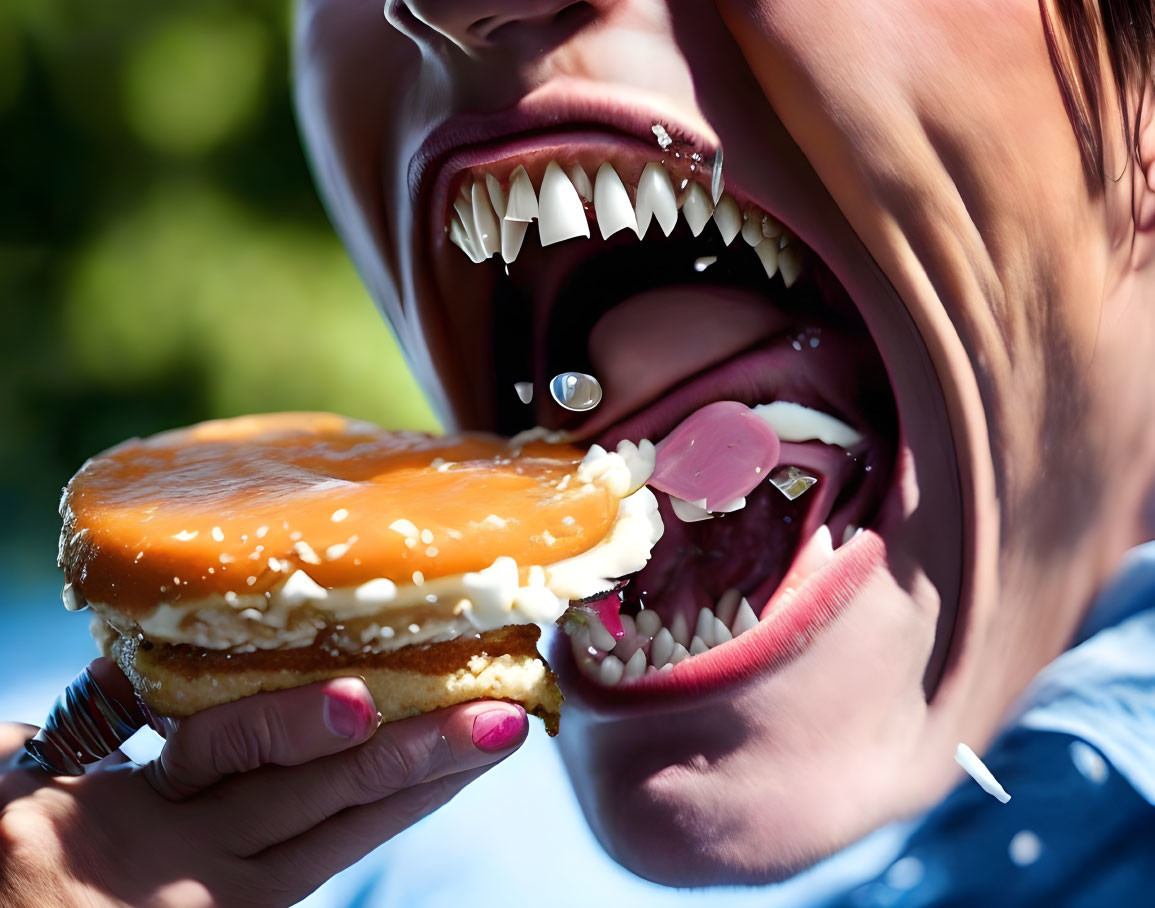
{"type": "Point", "coordinates": [475, 25]}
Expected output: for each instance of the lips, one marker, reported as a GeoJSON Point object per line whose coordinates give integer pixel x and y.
{"type": "Point", "coordinates": [795, 598]}
{"type": "Point", "coordinates": [707, 580]}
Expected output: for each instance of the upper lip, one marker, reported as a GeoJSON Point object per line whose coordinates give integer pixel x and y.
{"type": "Point", "coordinates": [566, 106]}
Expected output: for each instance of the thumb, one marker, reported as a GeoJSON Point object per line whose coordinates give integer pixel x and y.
{"type": "Point", "coordinates": [284, 728]}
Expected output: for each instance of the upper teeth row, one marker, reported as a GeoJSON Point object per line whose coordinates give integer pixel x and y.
{"type": "Point", "coordinates": [488, 218]}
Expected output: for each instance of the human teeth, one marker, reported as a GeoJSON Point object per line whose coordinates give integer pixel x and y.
{"type": "Point", "coordinates": [648, 622]}
{"type": "Point", "coordinates": [464, 208]}
{"type": "Point", "coordinates": [744, 620]}
{"type": "Point", "coordinates": [636, 667]}
{"type": "Point", "coordinates": [697, 208]}
{"type": "Point", "coordinates": [611, 670]}
{"type": "Point", "coordinates": [496, 195]}
{"type": "Point", "coordinates": [612, 203]}
{"type": "Point", "coordinates": [817, 552]}
{"type": "Point", "coordinates": [679, 653]}
{"type": "Point", "coordinates": [717, 184]}
{"type": "Point", "coordinates": [656, 200]}
{"type": "Point", "coordinates": [522, 204]}
{"type": "Point", "coordinates": [581, 182]}
{"type": "Point", "coordinates": [689, 511]}
{"type": "Point", "coordinates": [524, 391]}
{"type": "Point", "coordinates": [792, 482]}
{"type": "Point", "coordinates": [720, 633]}
{"type": "Point", "coordinates": [628, 627]}
{"type": "Point", "coordinates": [789, 264]}
{"type": "Point", "coordinates": [698, 646]}
{"type": "Point", "coordinates": [824, 542]}
{"type": "Point", "coordinates": [492, 220]}
{"type": "Point", "coordinates": [599, 636]}
{"type": "Point", "coordinates": [561, 214]}
{"type": "Point", "coordinates": [460, 238]}
{"type": "Point", "coordinates": [752, 228]}
{"type": "Point", "coordinates": [485, 221]}
{"type": "Point", "coordinates": [512, 236]}
{"type": "Point", "coordinates": [728, 217]}
{"type": "Point", "coordinates": [680, 629]}
{"type": "Point", "coordinates": [727, 605]}
{"type": "Point", "coordinates": [662, 647]}
{"type": "Point", "coordinates": [767, 252]}
{"type": "Point", "coordinates": [794, 422]}
{"type": "Point", "coordinates": [704, 629]}
{"type": "Point", "coordinates": [850, 532]}
{"type": "Point", "coordinates": [463, 205]}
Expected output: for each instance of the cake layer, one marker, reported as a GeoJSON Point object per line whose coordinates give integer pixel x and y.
{"type": "Point", "coordinates": [179, 680]}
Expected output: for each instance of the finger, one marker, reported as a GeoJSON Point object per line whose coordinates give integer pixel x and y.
{"type": "Point", "coordinates": [13, 757]}
{"type": "Point", "coordinates": [12, 737]}
{"type": "Point", "coordinates": [253, 813]}
{"type": "Point", "coordinates": [304, 863]}
{"type": "Point", "coordinates": [284, 728]}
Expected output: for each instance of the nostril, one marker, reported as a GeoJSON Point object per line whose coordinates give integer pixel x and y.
{"type": "Point", "coordinates": [574, 15]}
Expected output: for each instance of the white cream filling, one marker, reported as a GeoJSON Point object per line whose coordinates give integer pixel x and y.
{"type": "Point", "coordinates": [794, 422]}
{"type": "Point", "coordinates": [292, 614]}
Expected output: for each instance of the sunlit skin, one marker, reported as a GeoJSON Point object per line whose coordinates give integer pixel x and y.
{"type": "Point", "coordinates": [1010, 298]}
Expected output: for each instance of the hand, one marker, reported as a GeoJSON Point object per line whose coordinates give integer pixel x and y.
{"type": "Point", "coordinates": [255, 802]}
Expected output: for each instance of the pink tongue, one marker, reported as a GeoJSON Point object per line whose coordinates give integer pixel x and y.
{"type": "Point", "coordinates": [720, 453]}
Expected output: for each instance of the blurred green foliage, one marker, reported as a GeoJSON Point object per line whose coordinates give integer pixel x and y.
{"type": "Point", "coordinates": [163, 257]}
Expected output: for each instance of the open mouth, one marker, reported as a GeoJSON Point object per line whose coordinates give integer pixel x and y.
{"type": "Point", "coordinates": [634, 263]}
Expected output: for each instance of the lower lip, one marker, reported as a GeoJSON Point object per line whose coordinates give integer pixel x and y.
{"type": "Point", "coordinates": [796, 617]}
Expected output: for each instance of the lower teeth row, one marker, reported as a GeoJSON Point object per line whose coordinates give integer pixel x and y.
{"type": "Point", "coordinates": [648, 646]}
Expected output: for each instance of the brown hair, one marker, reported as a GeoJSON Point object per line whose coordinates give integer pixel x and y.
{"type": "Point", "coordinates": [1075, 31]}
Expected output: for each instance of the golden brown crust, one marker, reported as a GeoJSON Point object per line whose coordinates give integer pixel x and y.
{"type": "Point", "coordinates": [236, 506]}
{"type": "Point", "coordinates": [179, 680]}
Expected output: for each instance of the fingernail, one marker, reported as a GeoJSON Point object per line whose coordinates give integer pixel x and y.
{"type": "Point", "coordinates": [498, 729]}
{"type": "Point", "coordinates": [347, 713]}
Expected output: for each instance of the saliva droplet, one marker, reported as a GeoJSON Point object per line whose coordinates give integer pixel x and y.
{"type": "Point", "coordinates": [576, 391]}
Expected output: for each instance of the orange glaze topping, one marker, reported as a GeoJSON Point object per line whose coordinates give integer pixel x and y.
{"type": "Point", "coordinates": [240, 504]}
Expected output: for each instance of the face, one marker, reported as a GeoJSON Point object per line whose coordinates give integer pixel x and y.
{"type": "Point", "coordinates": [959, 295]}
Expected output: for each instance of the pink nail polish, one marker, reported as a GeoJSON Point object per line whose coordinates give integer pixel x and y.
{"type": "Point", "coordinates": [498, 729]}
{"type": "Point", "coordinates": [347, 715]}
